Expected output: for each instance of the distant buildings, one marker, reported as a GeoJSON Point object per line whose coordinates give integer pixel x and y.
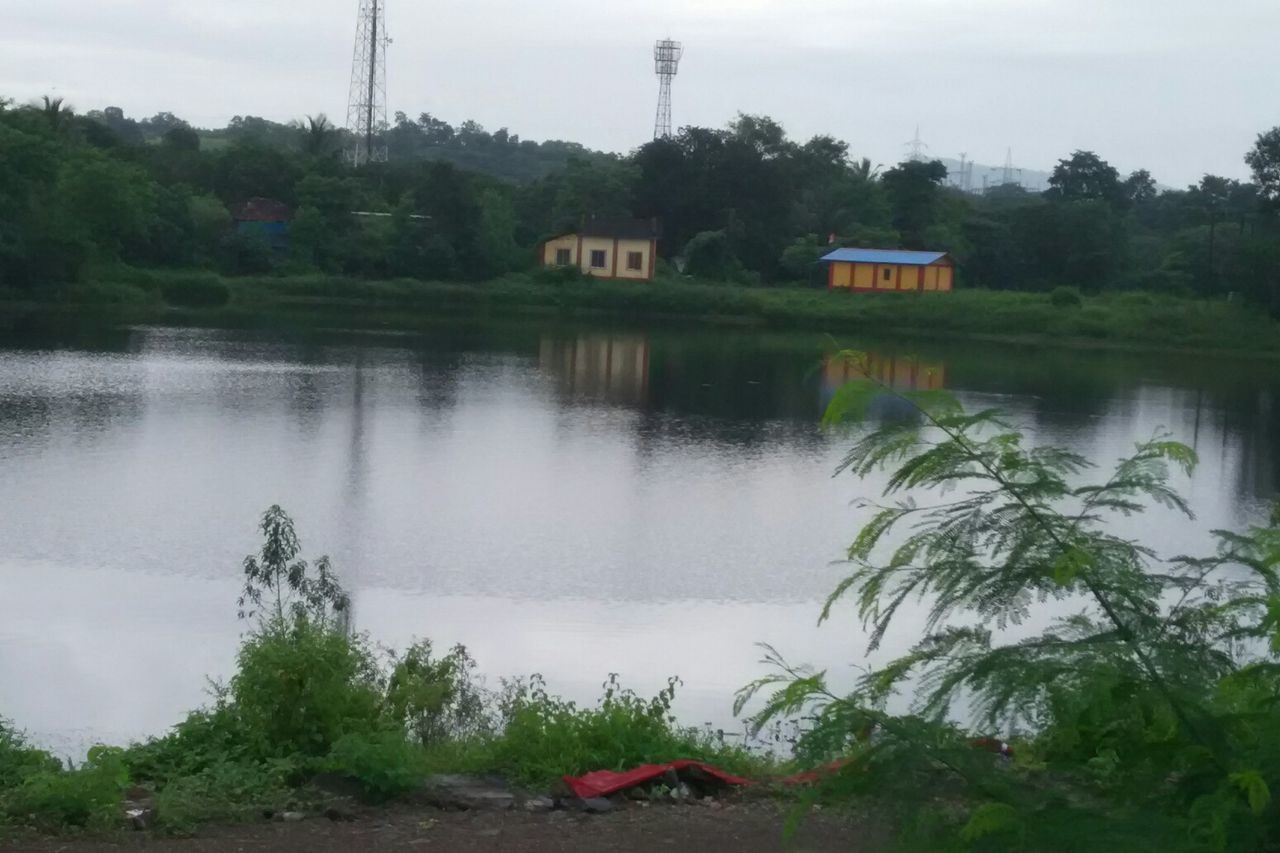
{"type": "Point", "coordinates": [878, 270]}
{"type": "Point", "coordinates": [625, 249]}
{"type": "Point", "coordinates": [266, 217]}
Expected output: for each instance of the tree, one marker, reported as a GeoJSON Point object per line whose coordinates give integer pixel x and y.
{"type": "Point", "coordinates": [1139, 188]}
{"type": "Point", "coordinates": [914, 189]}
{"type": "Point", "coordinates": [1085, 176]}
{"type": "Point", "coordinates": [1213, 196]}
{"type": "Point", "coordinates": [1264, 160]}
{"type": "Point", "coordinates": [181, 137]}
{"type": "Point", "coordinates": [108, 203]}
{"type": "Point", "coordinates": [319, 137]}
{"type": "Point", "coordinates": [1144, 716]}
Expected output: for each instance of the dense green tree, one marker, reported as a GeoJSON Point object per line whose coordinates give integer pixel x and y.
{"type": "Point", "coordinates": [1264, 160]}
{"type": "Point", "coordinates": [914, 189]}
{"type": "Point", "coordinates": [1085, 176]}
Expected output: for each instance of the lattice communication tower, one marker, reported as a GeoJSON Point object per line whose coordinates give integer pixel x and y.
{"type": "Point", "coordinates": [666, 57]}
{"type": "Point", "coordinates": [367, 102]}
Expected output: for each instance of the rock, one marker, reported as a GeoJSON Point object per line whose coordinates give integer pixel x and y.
{"type": "Point", "coordinates": [538, 805]}
{"type": "Point", "coordinates": [140, 818]}
{"type": "Point", "coordinates": [597, 805]}
{"type": "Point", "coordinates": [466, 793]}
{"type": "Point", "coordinates": [291, 817]}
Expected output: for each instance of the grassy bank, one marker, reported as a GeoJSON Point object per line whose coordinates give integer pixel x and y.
{"type": "Point", "coordinates": [1132, 319]}
{"type": "Point", "coordinates": [314, 710]}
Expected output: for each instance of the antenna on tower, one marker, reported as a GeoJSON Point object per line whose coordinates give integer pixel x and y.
{"type": "Point", "coordinates": [367, 102]}
{"type": "Point", "coordinates": [916, 147]}
{"type": "Point", "coordinates": [666, 58]}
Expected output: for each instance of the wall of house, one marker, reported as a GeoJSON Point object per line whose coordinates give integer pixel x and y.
{"type": "Point", "coordinates": [551, 247]}
{"type": "Point", "coordinates": [597, 244]}
{"type": "Point", "coordinates": [946, 277]}
{"type": "Point", "coordinates": [646, 250]}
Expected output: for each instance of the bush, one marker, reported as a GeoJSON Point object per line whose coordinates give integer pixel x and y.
{"type": "Point", "coordinates": [300, 686]}
{"type": "Point", "coordinates": [196, 292]}
{"type": "Point", "coordinates": [546, 737]}
{"type": "Point", "coordinates": [384, 763]}
{"type": "Point", "coordinates": [437, 700]}
{"type": "Point", "coordinates": [19, 761]}
{"type": "Point", "coordinates": [89, 796]}
{"type": "Point", "coordinates": [223, 791]}
{"type": "Point", "coordinates": [1066, 297]}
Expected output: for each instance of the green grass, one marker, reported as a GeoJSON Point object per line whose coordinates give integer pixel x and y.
{"type": "Point", "coordinates": [1115, 320]}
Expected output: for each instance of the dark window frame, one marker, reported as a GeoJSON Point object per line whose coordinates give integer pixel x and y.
{"type": "Point", "coordinates": [600, 255]}
{"type": "Point", "coordinates": [888, 274]}
{"type": "Point", "coordinates": [635, 261]}
{"type": "Point", "coordinates": [564, 257]}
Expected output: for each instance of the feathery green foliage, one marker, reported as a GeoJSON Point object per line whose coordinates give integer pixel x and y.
{"type": "Point", "coordinates": [1147, 714]}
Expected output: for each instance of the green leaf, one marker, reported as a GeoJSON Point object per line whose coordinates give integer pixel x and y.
{"type": "Point", "coordinates": [989, 819]}
{"type": "Point", "coordinates": [1254, 787]}
{"type": "Point", "coordinates": [1069, 566]}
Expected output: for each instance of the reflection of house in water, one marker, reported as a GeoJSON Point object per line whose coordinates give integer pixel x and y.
{"type": "Point", "coordinates": [899, 372]}
{"type": "Point", "coordinates": [604, 367]}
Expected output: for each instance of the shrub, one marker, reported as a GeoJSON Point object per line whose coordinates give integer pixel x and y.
{"type": "Point", "coordinates": [384, 763]}
{"type": "Point", "coordinates": [300, 686]}
{"type": "Point", "coordinates": [88, 796]}
{"type": "Point", "coordinates": [1066, 297]}
{"type": "Point", "coordinates": [545, 737]}
{"type": "Point", "coordinates": [437, 699]}
{"type": "Point", "coordinates": [223, 791]}
{"type": "Point", "coordinates": [18, 760]}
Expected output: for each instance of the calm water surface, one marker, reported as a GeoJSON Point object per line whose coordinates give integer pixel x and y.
{"type": "Point", "coordinates": [569, 501]}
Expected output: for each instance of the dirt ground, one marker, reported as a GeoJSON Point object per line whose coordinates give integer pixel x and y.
{"type": "Point", "coordinates": [754, 827]}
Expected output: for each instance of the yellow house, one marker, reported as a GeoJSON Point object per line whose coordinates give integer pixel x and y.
{"type": "Point", "coordinates": [880, 270]}
{"type": "Point", "coordinates": [625, 249]}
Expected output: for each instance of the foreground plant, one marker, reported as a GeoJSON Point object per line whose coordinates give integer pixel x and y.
{"type": "Point", "coordinates": [1149, 712]}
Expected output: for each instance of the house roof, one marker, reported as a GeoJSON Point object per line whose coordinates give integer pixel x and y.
{"type": "Point", "coordinates": [261, 210]}
{"type": "Point", "coordinates": [629, 229]}
{"type": "Point", "coordinates": [885, 256]}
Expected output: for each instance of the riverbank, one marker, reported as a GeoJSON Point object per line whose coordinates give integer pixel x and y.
{"type": "Point", "coordinates": [752, 827]}
{"type": "Point", "coordinates": [1132, 320]}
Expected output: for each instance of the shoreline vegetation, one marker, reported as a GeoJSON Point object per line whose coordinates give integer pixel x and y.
{"type": "Point", "coordinates": [1129, 320]}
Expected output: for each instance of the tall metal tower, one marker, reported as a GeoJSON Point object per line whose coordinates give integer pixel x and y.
{"type": "Point", "coordinates": [666, 59]}
{"type": "Point", "coordinates": [367, 102]}
{"type": "Point", "coordinates": [1010, 175]}
{"type": "Point", "coordinates": [916, 147]}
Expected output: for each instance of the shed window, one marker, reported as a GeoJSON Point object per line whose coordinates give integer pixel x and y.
{"type": "Point", "coordinates": [888, 274]}
{"type": "Point", "coordinates": [635, 261]}
{"type": "Point", "coordinates": [598, 259]}
{"type": "Point", "coordinates": [564, 257]}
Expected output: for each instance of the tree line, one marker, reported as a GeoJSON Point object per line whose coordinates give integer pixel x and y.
{"type": "Point", "coordinates": [744, 203]}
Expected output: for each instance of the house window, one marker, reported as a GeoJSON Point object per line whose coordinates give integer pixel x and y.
{"type": "Point", "coordinates": [635, 261]}
{"type": "Point", "coordinates": [564, 257]}
{"type": "Point", "coordinates": [598, 259]}
{"type": "Point", "coordinates": [888, 274]}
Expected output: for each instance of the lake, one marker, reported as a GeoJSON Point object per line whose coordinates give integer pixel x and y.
{"type": "Point", "coordinates": [570, 501]}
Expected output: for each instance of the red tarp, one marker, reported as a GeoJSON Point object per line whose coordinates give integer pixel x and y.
{"type": "Point", "coordinates": [602, 783]}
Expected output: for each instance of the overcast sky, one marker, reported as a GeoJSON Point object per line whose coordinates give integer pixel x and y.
{"type": "Point", "coordinates": [1181, 87]}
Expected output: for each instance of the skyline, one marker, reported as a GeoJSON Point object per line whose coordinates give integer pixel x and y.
{"type": "Point", "coordinates": [1187, 96]}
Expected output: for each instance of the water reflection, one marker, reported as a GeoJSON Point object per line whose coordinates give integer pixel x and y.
{"type": "Point", "coordinates": [641, 497]}
{"type": "Point", "coordinates": [611, 368]}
